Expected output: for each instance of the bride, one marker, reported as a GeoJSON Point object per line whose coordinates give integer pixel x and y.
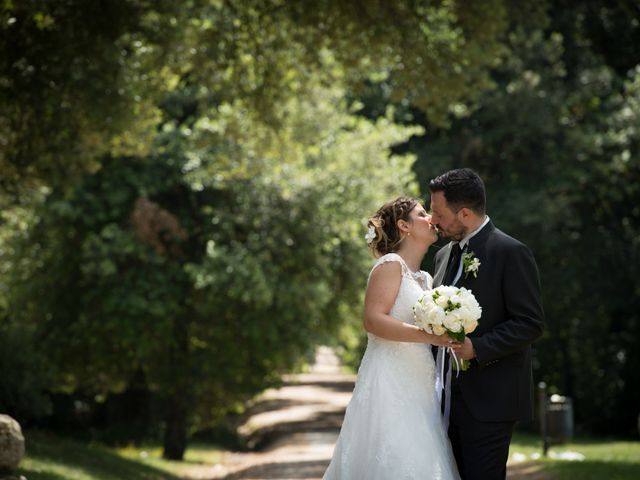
{"type": "Point", "coordinates": [393, 428]}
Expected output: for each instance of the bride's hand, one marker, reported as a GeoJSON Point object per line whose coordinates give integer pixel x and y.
{"type": "Point", "coordinates": [443, 340]}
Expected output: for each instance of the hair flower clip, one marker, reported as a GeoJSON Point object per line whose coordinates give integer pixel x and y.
{"type": "Point", "coordinates": [371, 235]}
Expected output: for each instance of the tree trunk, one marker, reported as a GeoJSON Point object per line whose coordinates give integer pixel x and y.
{"type": "Point", "coordinates": [175, 435]}
{"type": "Point", "coordinates": [178, 399]}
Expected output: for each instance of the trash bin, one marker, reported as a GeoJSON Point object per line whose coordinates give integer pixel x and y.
{"type": "Point", "coordinates": [559, 419]}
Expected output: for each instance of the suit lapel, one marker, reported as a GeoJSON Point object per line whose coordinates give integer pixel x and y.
{"type": "Point", "coordinates": [476, 245]}
{"type": "Point", "coordinates": [442, 266]}
{"type": "Point", "coordinates": [479, 238]}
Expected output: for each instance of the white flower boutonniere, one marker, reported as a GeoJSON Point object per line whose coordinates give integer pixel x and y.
{"type": "Point", "coordinates": [371, 235]}
{"type": "Point", "coordinates": [470, 264]}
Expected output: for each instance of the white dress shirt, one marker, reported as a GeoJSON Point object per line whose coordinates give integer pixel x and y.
{"type": "Point", "coordinates": [463, 243]}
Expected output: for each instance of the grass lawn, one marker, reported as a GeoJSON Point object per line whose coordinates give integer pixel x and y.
{"type": "Point", "coordinates": [50, 457]}
{"type": "Point", "coordinates": [603, 459]}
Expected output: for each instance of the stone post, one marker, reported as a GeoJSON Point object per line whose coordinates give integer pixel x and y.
{"type": "Point", "coordinates": [11, 445]}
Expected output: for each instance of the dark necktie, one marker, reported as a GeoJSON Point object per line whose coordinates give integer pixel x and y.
{"type": "Point", "coordinates": [452, 266]}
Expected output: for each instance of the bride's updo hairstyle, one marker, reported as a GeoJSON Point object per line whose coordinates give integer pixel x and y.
{"type": "Point", "coordinates": [385, 225]}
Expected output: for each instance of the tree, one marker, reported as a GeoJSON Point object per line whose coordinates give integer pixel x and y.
{"type": "Point", "coordinates": [78, 79]}
{"type": "Point", "coordinates": [209, 285]}
{"type": "Point", "coordinates": [180, 152]}
{"type": "Point", "coordinates": [83, 79]}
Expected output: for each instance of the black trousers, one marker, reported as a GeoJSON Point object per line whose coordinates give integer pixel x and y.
{"type": "Point", "coordinates": [481, 448]}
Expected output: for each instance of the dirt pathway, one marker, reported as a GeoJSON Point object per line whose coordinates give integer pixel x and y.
{"type": "Point", "coordinates": [294, 428]}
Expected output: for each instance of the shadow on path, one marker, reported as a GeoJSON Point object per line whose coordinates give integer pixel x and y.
{"type": "Point", "coordinates": [280, 470]}
{"type": "Point", "coordinates": [293, 429]}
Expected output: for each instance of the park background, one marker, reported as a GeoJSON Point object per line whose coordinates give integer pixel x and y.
{"type": "Point", "coordinates": [184, 190]}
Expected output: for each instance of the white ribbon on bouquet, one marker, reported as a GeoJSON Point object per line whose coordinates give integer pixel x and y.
{"type": "Point", "coordinates": [444, 382]}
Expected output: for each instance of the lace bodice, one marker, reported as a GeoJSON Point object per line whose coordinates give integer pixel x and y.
{"type": "Point", "coordinates": [411, 286]}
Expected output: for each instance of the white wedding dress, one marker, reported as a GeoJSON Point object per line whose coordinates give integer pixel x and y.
{"type": "Point", "coordinates": [393, 428]}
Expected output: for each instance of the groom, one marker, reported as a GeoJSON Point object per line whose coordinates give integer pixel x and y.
{"type": "Point", "coordinates": [496, 390]}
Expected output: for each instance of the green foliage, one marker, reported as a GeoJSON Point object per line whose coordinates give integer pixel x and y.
{"type": "Point", "coordinates": [25, 371]}
{"type": "Point", "coordinates": [74, 76]}
{"type": "Point", "coordinates": [209, 284]}
{"type": "Point", "coordinates": [25, 374]}
{"type": "Point", "coordinates": [190, 183]}
{"type": "Point", "coordinates": [558, 146]}
{"type": "Point", "coordinates": [81, 79]}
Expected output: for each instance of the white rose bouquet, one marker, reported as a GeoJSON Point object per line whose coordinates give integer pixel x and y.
{"type": "Point", "coordinates": [447, 309]}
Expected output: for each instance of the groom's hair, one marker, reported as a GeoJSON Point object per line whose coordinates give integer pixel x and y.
{"type": "Point", "coordinates": [462, 188]}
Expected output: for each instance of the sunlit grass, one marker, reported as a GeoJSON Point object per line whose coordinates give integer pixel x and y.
{"type": "Point", "coordinates": [603, 459]}
{"type": "Point", "coordinates": [50, 457]}
{"type": "Point", "coordinates": [197, 454]}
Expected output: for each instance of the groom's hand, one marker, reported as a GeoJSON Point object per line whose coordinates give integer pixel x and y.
{"type": "Point", "coordinates": [465, 350]}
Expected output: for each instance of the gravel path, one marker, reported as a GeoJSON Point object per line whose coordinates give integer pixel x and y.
{"type": "Point", "coordinates": [294, 428]}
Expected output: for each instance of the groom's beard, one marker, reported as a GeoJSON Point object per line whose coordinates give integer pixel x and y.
{"type": "Point", "coordinates": [455, 233]}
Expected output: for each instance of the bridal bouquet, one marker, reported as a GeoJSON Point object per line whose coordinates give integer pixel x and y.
{"type": "Point", "coordinates": [447, 309]}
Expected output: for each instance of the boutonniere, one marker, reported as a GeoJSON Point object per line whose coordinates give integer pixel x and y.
{"type": "Point", "coordinates": [470, 264]}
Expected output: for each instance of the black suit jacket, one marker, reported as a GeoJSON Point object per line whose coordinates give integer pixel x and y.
{"type": "Point", "coordinates": [498, 386]}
